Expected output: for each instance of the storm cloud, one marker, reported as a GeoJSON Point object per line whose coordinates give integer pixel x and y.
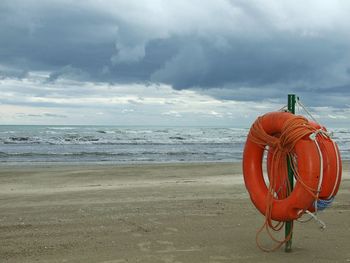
{"type": "Point", "coordinates": [230, 50]}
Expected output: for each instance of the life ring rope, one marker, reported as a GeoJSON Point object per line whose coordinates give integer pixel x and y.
{"type": "Point", "coordinates": [293, 130]}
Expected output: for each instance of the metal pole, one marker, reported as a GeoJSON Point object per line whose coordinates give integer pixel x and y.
{"type": "Point", "coordinates": [289, 224]}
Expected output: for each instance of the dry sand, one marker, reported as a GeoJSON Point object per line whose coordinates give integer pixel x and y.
{"type": "Point", "coordinates": [149, 213]}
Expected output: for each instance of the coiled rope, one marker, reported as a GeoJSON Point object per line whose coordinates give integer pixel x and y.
{"type": "Point", "coordinates": [283, 148]}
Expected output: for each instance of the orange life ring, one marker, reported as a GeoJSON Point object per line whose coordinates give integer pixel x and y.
{"type": "Point", "coordinates": [332, 168]}
{"type": "Point", "coordinates": [308, 161]}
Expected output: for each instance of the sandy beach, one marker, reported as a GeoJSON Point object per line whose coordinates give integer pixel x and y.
{"type": "Point", "coordinates": [150, 213]}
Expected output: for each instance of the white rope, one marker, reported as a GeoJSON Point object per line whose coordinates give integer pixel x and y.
{"type": "Point", "coordinates": [305, 220]}
{"type": "Point", "coordinates": [284, 108]}
{"type": "Point", "coordinates": [298, 106]}
{"type": "Point", "coordinates": [308, 112]}
{"type": "Point", "coordinates": [319, 221]}
{"type": "Point", "coordinates": [338, 170]}
{"type": "Point", "coordinates": [328, 135]}
{"type": "Point", "coordinates": [313, 137]}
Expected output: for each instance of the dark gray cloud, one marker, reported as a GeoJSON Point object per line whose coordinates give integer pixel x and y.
{"type": "Point", "coordinates": [68, 72]}
{"type": "Point", "coordinates": [249, 62]}
{"type": "Point", "coordinates": [234, 50]}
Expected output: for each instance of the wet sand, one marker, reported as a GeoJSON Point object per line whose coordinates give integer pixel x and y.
{"type": "Point", "coordinates": [150, 213]}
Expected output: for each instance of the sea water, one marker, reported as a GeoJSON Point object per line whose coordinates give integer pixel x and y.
{"type": "Point", "coordinates": [110, 144]}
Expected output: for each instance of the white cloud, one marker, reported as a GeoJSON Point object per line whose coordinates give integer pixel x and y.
{"type": "Point", "coordinates": [337, 116]}
{"type": "Point", "coordinates": [85, 102]}
{"type": "Point", "coordinates": [33, 101]}
{"type": "Point", "coordinates": [172, 113]}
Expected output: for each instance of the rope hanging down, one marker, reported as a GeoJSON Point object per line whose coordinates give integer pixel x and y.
{"type": "Point", "coordinates": [283, 147]}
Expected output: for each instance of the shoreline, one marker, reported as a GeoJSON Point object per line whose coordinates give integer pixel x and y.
{"type": "Point", "coordinates": [117, 164]}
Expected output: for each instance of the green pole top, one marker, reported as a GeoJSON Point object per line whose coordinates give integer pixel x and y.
{"type": "Point", "coordinates": [291, 103]}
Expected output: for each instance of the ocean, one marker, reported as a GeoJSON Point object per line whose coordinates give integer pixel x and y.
{"type": "Point", "coordinates": [128, 145]}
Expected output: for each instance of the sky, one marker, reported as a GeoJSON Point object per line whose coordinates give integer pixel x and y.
{"type": "Point", "coordinates": [172, 63]}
